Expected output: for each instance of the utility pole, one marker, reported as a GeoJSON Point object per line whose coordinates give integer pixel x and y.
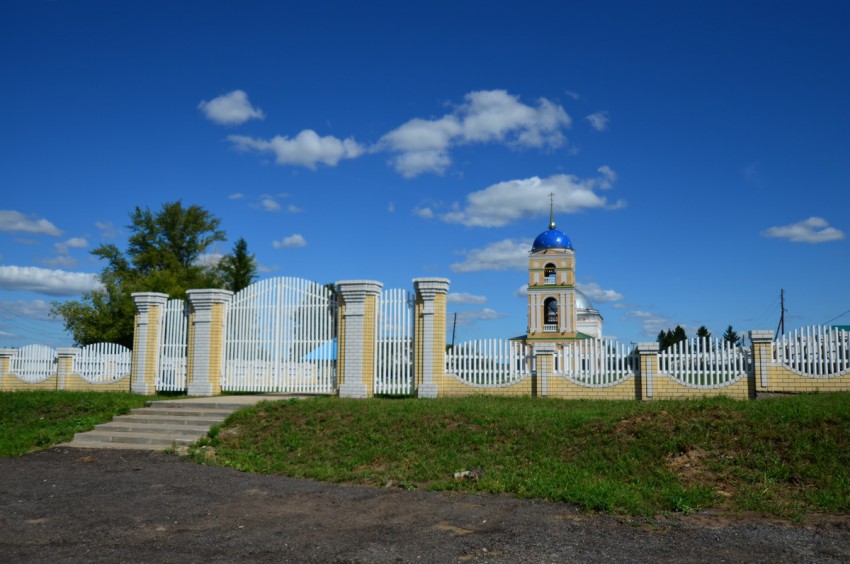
{"type": "Point", "coordinates": [781, 326]}
{"type": "Point", "coordinates": [454, 326]}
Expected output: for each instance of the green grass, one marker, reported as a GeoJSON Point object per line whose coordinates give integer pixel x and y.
{"type": "Point", "coordinates": [35, 420]}
{"type": "Point", "coordinates": [784, 457]}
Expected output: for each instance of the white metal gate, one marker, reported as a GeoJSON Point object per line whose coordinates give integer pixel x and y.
{"type": "Point", "coordinates": [394, 343]}
{"type": "Point", "coordinates": [173, 347]}
{"type": "Point", "coordinates": [281, 337]}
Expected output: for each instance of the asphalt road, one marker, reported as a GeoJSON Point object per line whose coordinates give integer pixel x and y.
{"type": "Point", "coordinates": [69, 505]}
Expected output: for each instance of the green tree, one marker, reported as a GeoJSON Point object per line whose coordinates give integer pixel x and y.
{"type": "Point", "coordinates": [731, 336]}
{"type": "Point", "coordinates": [668, 338]}
{"type": "Point", "coordinates": [238, 269]}
{"type": "Point", "coordinates": [162, 255]}
{"type": "Point", "coordinates": [703, 332]}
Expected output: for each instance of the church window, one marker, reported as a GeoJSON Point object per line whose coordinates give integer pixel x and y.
{"type": "Point", "coordinates": [549, 273]}
{"type": "Point", "coordinates": [550, 307]}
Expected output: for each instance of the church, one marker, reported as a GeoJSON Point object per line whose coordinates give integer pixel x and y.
{"type": "Point", "coordinates": [557, 310]}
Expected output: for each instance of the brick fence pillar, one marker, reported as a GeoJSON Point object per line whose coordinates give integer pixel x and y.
{"type": "Point", "coordinates": [648, 368]}
{"type": "Point", "coordinates": [65, 365]}
{"type": "Point", "coordinates": [430, 335]}
{"type": "Point", "coordinates": [356, 347]}
{"type": "Point", "coordinates": [208, 324]}
{"type": "Point", "coordinates": [149, 310]}
{"type": "Point", "coordinates": [544, 360]}
{"type": "Point", "coordinates": [762, 358]}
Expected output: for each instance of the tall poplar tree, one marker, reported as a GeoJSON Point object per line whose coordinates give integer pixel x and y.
{"type": "Point", "coordinates": [163, 255]}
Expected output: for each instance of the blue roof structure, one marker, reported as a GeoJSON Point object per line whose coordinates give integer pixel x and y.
{"type": "Point", "coordinates": [551, 239]}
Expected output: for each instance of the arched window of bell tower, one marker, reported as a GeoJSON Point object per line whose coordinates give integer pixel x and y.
{"type": "Point", "coordinates": [550, 314]}
{"type": "Point", "coordinates": [549, 275]}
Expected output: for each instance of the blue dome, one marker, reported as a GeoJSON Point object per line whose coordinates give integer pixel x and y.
{"type": "Point", "coordinates": [551, 239]}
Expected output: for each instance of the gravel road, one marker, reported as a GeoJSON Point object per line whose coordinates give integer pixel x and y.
{"type": "Point", "coordinates": [70, 505]}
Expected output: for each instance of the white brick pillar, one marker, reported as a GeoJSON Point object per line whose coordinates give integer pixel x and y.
{"type": "Point", "coordinates": [150, 307]}
{"type": "Point", "coordinates": [208, 324]}
{"type": "Point", "coordinates": [356, 358]}
{"type": "Point", "coordinates": [430, 335]}
{"type": "Point", "coordinates": [544, 360]}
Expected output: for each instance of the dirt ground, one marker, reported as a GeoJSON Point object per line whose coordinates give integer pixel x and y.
{"type": "Point", "coordinates": [69, 505]}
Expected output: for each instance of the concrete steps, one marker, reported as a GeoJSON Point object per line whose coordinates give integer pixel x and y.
{"type": "Point", "coordinates": [162, 424]}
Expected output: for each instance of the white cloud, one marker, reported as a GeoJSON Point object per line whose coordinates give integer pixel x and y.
{"type": "Point", "coordinates": [209, 259]}
{"type": "Point", "coordinates": [593, 291]}
{"type": "Point", "coordinates": [651, 323]}
{"type": "Point", "coordinates": [47, 281]}
{"type": "Point", "coordinates": [72, 243]}
{"type": "Point", "coordinates": [508, 254]}
{"type": "Point", "coordinates": [306, 149]}
{"type": "Point", "coordinates": [486, 116]}
{"type": "Point", "coordinates": [230, 109]}
{"type": "Point", "coordinates": [598, 121]}
{"type": "Point", "coordinates": [107, 229]}
{"type": "Point", "coordinates": [465, 298]}
{"type": "Point", "coordinates": [466, 318]}
{"type": "Point", "coordinates": [812, 230]}
{"type": "Point", "coordinates": [292, 208]}
{"type": "Point", "coordinates": [391, 207]}
{"type": "Point", "coordinates": [291, 242]}
{"type": "Point", "coordinates": [269, 205]}
{"type": "Point", "coordinates": [522, 291]}
{"type": "Point", "coordinates": [63, 261]}
{"type": "Point", "coordinates": [236, 196]}
{"type": "Point", "coordinates": [36, 309]}
{"type": "Point", "coordinates": [506, 202]}
{"type": "Point", "coordinates": [15, 222]}
{"type": "Point", "coordinates": [424, 213]}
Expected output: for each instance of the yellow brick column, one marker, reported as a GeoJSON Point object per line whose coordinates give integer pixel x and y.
{"type": "Point", "coordinates": [65, 365]}
{"type": "Point", "coordinates": [430, 335]}
{"type": "Point", "coordinates": [5, 366]}
{"type": "Point", "coordinates": [149, 310]}
{"type": "Point", "coordinates": [358, 319]}
{"type": "Point", "coordinates": [208, 310]}
{"type": "Point", "coordinates": [544, 360]}
{"type": "Point", "coordinates": [762, 358]}
{"type": "Point", "coordinates": [648, 368]}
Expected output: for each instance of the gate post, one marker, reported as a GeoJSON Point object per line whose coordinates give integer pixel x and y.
{"type": "Point", "coordinates": [356, 348]}
{"type": "Point", "coordinates": [207, 326]}
{"type": "Point", "coordinates": [429, 335]}
{"type": "Point", "coordinates": [762, 357]}
{"type": "Point", "coordinates": [65, 365]}
{"type": "Point", "coordinates": [544, 355]}
{"type": "Point", "coordinates": [648, 352]}
{"type": "Point", "coordinates": [149, 306]}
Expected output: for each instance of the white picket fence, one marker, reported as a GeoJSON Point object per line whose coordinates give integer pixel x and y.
{"type": "Point", "coordinates": [33, 363]}
{"type": "Point", "coordinates": [705, 363]}
{"type": "Point", "coordinates": [488, 362]}
{"type": "Point", "coordinates": [817, 351]}
{"type": "Point", "coordinates": [394, 343]}
{"type": "Point", "coordinates": [596, 363]}
{"type": "Point", "coordinates": [103, 363]}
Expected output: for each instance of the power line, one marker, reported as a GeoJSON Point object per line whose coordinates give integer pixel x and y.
{"type": "Point", "coordinates": [837, 316]}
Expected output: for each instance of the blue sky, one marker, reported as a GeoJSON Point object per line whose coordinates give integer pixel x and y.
{"type": "Point", "coordinates": [698, 151]}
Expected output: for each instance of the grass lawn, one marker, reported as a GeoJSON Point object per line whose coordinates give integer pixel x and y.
{"type": "Point", "coordinates": [33, 420]}
{"type": "Point", "coordinates": [783, 457]}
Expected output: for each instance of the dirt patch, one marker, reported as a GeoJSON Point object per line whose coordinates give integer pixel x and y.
{"type": "Point", "coordinates": [135, 506]}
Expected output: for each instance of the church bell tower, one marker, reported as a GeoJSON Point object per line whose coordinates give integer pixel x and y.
{"type": "Point", "coordinates": [551, 286]}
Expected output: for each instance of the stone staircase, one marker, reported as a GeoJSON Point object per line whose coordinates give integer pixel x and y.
{"type": "Point", "coordinates": [163, 424]}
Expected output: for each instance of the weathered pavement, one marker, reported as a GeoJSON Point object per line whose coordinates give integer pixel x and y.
{"type": "Point", "coordinates": [83, 505]}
